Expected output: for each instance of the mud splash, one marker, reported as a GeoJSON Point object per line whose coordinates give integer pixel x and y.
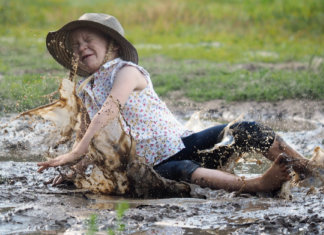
{"type": "Point", "coordinates": [27, 203]}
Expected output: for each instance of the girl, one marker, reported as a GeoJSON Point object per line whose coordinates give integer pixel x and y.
{"type": "Point", "coordinates": [109, 61]}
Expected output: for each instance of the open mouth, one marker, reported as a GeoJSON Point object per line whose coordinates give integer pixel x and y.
{"type": "Point", "coordinates": [85, 57]}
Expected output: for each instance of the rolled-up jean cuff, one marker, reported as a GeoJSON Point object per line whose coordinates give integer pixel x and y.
{"type": "Point", "coordinates": [179, 170]}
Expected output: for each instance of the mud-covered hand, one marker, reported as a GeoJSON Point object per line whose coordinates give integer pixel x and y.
{"type": "Point", "coordinates": [61, 178]}
{"type": "Point", "coordinates": [68, 158]}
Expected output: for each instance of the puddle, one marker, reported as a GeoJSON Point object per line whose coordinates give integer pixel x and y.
{"type": "Point", "coordinates": [29, 206]}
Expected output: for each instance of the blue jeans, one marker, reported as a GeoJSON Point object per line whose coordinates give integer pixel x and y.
{"type": "Point", "coordinates": [248, 136]}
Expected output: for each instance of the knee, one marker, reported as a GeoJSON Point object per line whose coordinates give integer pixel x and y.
{"type": "Point", "coordinates": [177, 170]}
{"type": "Point", "coordinates": [253, 136]}
{"type": "Point", "coordinates": [186, 170]}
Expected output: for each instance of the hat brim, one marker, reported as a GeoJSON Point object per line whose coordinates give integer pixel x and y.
{"type": "Point", "coordinates": [57, 47]}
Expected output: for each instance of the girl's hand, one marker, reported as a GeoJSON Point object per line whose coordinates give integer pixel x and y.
{"type": "Point", "coordinates": [64, 159]}
{"type": "Point", "coordinates": [70, 176]}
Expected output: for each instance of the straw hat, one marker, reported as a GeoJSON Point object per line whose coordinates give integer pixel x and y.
{"type": "Point", "coordinates": [109, 25]}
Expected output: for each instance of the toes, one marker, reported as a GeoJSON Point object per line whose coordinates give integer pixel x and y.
{"type": "Point", "coordinates": [279, 160]}
{"type": "Point", "coordinates": [284, 173]}
{"type": "Point", "coordinates": [284, 159]}
{"type": "Point", "coordinates": [286, 169]}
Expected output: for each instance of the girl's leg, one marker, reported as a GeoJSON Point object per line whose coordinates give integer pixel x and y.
{"type": "Point", "coordinates": [249, 136]}
{"type": "Point", "coordinates": [271, 180]}
{"type": "Point", "coordinates": [252, 136]}
{"type": "Point", "coordinates": [299, 163]}
{"type": "Point", "coordinates": [203, 140]}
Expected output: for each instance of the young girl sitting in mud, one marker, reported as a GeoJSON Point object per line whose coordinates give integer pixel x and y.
{"type": "Point", "coordinates": [113, 82]}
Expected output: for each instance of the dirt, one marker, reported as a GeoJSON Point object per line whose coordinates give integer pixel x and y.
{"type": "Point", "coordinates": [29, 206]}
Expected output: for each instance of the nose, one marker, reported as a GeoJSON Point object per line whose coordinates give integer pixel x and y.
{"type": "Point", "coordinates": [82, 46]}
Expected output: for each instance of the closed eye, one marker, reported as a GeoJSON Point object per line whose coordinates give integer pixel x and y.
{"type": "Point", "coordinates": [88, 39]}
{"type": "Point", "coordinates": [75, 46]}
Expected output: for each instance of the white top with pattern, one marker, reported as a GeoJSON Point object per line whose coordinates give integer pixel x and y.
{"type": "Point", "coordinates": [156, 131]}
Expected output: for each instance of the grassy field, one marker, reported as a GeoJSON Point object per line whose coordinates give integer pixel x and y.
{"type": "Point", "coordinates": [186, 45]}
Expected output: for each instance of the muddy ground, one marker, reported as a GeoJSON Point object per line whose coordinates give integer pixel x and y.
{"type": "Point", "coordinates": [28, 206]}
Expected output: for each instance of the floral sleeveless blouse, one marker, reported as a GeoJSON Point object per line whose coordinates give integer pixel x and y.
{"type": "Point", "coordinates": [156, 131]}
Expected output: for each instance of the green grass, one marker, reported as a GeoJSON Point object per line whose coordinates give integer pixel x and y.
{"type": "Point", "coordinates": [121, 209]}
{"type": "Point", "coordinates": [18, 93]}
{"type": "Point", "coordinates": [261, 85]}
{"type": "Point", "coordinates": [206, 80]}
{"type": "Point", "coordinates": [119, 226]}
{"type": "Point", "coordinates": [206, 32]}
{"type": "Point", "coordinates": [291, 29]}
{"type": "Point", "coordinates": [92, 225]}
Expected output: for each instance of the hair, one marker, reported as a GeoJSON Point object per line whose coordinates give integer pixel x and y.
{"type": "Point", "coordinates": [111, 48]}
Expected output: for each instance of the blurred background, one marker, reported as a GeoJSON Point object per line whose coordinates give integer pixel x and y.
{"type": "Point", "coordinates": [263, 50]}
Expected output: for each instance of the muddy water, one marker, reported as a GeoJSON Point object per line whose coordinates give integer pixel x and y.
{"type": "Point", "coordinates": [29, 206]}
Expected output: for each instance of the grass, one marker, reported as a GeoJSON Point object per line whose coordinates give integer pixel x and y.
{"type": "Point", "coordinates": [193, 36]}
{"type": "Point", "coordinates": [26, 92]}
{"type": "Point", "coordinates": [121, 209]}
{"type": "Point", "coordinates": [206, 80]}
{"type": "Point", "coordinates": [92, 225]}
{"type": "Point", "coordinates": [119, 226]}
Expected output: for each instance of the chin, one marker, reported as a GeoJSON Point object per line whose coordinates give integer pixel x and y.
{"type": "Point", "coordinates": [91, 69]}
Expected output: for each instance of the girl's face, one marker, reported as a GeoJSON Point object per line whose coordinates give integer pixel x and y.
{"type": "Point", "coordinates": [91, 48]}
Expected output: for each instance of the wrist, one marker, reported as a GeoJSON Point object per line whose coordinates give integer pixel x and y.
{"type": "Point", "coordinates": [78, 151]}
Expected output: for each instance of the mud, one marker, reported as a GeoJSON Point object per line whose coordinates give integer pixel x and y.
{"type": "Point", "coordinates": [29, 206]}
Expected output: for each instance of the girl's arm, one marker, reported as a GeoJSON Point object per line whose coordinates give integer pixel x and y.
{"type": "Point", "coordinates": [128, 79]}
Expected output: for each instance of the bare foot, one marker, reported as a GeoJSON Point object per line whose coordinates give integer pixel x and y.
{"type": "Point", "coordinates": [276, 175]}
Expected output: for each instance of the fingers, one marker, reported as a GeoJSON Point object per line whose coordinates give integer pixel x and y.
{"type": "Point", "coordinates": [42, 167]}
{"type": "Point", "coordinates": [57, 180]}
{"type": "Point", "coordinates": [64, 159]}
{"type": "Point", "coordinates": [47, 164]}
{"type": "Point", "coordinates": [48, 182]}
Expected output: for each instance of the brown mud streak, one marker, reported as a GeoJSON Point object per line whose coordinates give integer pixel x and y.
{"type": "Point", "coordinates": [116, 169]}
